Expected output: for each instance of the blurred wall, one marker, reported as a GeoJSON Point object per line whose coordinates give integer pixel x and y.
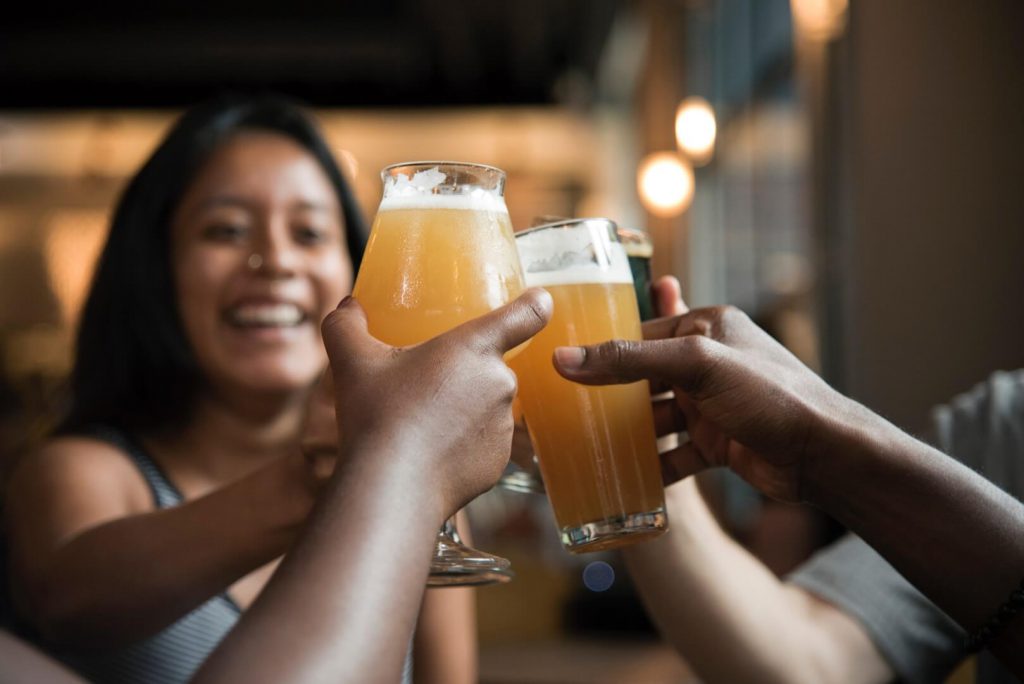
{"type": "Point", "coordinates": [934, 282]}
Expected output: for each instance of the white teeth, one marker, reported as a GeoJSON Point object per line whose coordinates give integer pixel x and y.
{"type": "Point", "coordinates": [266, 315]}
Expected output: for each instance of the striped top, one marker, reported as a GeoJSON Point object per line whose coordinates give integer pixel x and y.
{"type": "Point", "coordinates": [173, 655]}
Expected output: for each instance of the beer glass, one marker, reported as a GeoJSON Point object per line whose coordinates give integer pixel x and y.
{"type": "Point", "coordinates": [639, 251]}
{"type": "Point", "coordinates": [596, 445]}
{"type": "Point", "coordinates": [440, 252]}
{"type": "Point", "coordinates": [523, 474]}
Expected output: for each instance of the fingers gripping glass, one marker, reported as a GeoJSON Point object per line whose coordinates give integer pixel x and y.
{"type": "Point", "coordinates": [441, 252]}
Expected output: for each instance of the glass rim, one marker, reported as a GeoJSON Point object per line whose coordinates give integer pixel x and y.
{"type": "Point", "coordinates": [634, 233]}
{"type": "Point", "coordinates": [567, 222]}
{"type": "Point", "coordinates": [436, 162]}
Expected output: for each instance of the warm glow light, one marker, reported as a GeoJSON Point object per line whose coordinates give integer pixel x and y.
{"type": "Point", "coordinates": [73, 243]}
{"type": "Point", "coordinates": [819, 19]}
{"type": "Point", "coordinates": [665, 183]}
{"type": "Point", "coordinates": [696, 129]}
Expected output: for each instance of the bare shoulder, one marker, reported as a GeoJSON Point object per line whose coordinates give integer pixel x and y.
{"type": "Point", "coordinates": [75, 481]}
{"type": "Point", "coordinates": [23, 663]}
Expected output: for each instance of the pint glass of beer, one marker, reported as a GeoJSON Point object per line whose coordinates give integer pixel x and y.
{"type": "Point", "coordinates": [639, 249]}
{"type": "Point", "coordinates": [441, 252]}
{"type": "Point", "coordinates": [522, 474]}
{"type": "Point", "coordinates": [596, 445]}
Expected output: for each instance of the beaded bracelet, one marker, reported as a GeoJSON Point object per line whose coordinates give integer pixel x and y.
{"type": "Point", "coordinates": [981, 637]}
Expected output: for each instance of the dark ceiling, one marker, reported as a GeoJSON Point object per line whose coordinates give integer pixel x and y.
{"type": "Point", "coordinates": [381, 53]}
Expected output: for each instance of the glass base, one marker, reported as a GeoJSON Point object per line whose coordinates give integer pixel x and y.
{"type": "Point", "coordinates": [614, 533]}
{"type": "Point", "coordinates": [457, 565]}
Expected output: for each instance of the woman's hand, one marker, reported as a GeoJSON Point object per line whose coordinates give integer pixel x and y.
{"type": "Point", "coordinates": [443, 407]}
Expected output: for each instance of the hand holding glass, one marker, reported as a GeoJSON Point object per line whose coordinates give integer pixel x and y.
{"type": "Point", "coordinates": [440, 253]}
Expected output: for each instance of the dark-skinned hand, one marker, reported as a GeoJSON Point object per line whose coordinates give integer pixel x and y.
{"type": "Point", "coordinates": [442, 407]}
{"type": "Point", "coordinates": [746, 402]}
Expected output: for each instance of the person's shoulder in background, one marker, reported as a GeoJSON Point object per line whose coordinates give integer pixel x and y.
{"type": "Point", "coordinates": [984, 429]}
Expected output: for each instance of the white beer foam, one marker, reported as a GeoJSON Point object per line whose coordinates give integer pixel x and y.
{"type": "Point", "coordinates": [484, 201]}
{"type": "Point", "coordinates": [572, 258]}
{"type": "Point", "coordinates": [418, 192]}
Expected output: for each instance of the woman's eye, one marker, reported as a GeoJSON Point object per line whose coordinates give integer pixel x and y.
{"type": "Point", "coordinates": [225, 232]}
{"type": "Point", "coordinates": [310, 235]}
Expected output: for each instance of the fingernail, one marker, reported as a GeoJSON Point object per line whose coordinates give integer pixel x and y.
{"type": "Point", "coordinates": [570, 358]}
{"type": "Point", "coordinates": [344, 301]}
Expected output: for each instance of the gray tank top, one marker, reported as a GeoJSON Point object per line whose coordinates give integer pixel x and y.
{"type": "Point", "coordinates": [173, 655]}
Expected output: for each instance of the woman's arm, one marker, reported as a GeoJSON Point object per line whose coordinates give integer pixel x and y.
{"type": "Point", "coordinates": [93, 566]}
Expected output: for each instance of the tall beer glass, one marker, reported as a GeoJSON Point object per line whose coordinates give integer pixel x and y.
{"type": "Point", "coordinates": [523, 474]}
{"type": "Point", "coordinates": [596, 445]}
{"type": "Point", "coordinates": [441, 252]}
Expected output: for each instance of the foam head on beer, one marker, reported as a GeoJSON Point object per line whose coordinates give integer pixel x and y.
{"type": "Point", "coordinates": [581, 256]}
{"type": "Point", "coordinates": [433, 189]}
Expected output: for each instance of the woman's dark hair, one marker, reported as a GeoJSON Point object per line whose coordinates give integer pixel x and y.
{"type": "Point", "coordinates": [134, 368]}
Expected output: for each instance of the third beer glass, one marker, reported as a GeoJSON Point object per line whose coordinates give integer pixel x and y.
{"type": "Point", "coordinates": [440, 253]}
{"type": "Point", "coordinates": [596, 445]}
{"type": "Point", "coordinates": [639, 250]}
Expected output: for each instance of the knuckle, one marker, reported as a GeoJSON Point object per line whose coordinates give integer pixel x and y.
{"type": "Point", "coordinates": [719, 313]}
{"type": "Point", "coordinates": [623, 350]}
{"type": "Point", "coordinates": [506, 383]}
{"type": "Point", "coordinates": [696, 347]}
{"type": "Point", "coordinates": [536, 312]}
{"type": "Point", "coordinates": [732, 315]}
{"type": "Point", "coordinates": [611, 353]}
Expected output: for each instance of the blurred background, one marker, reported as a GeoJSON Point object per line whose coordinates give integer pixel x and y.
{"type": "Point", "coordinates": [848, 173]}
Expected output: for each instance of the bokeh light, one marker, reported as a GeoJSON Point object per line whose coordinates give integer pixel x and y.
{"type": "Point", "coordinates": [819, 19]}
{"type": "Point", "coordinates": [696, 129]}
{"type": "Point", "coordinates": [665, 184]}
{"type": "Point", "coordinates": [598, 576]}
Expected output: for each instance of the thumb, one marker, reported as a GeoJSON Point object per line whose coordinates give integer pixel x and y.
{"type": "Point", "coordinates": [510, 325]}
{"type": "Point", "coordinates": [668, 296]}
{"type": "Point", "coordinates": [686, 362]}
{"type": "Point", "coordinates": [347, 338]}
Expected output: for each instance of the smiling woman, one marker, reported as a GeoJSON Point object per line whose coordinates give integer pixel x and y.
{"type": "Point", "coordinates": [158, 511]}
{"type": "Point", "coordinates": [255, 250]}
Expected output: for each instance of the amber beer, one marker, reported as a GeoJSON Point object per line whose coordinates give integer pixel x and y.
{"type": "Point", "coordinates": [596, 445]}
{"type": "Point", "coordinates": [430, 267]}
{"type": "Point", "coordinates": [440, 252]}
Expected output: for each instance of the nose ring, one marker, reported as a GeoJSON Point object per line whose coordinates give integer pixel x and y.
{"type": "Point", "coordinates": [255, 261]}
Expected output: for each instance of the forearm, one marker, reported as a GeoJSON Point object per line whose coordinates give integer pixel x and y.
{"type": "Point", "coordinates": [129, 578]}
{"type": "Point", "coordinates": [953, 534]}
{"type": "Point", "coordinates": [343, 604]}
{"type": "Point", "coordinates": [712, 599]}
{"type": "Point", "coordinates": [445, 644]}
